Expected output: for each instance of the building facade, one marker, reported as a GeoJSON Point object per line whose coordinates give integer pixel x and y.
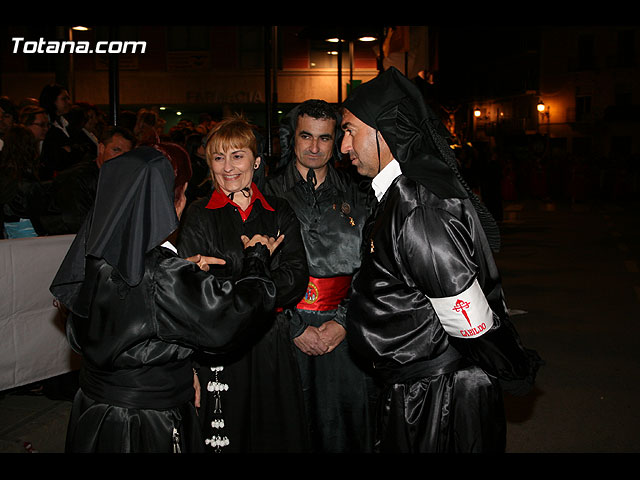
{"type": "Point", "coordinates": [586, 97]}
{"type": "Point", "coordinates": [576, 124]}
{"type": "Point", "coordinates": [186, 69]}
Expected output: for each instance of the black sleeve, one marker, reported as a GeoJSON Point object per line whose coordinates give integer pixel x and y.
{"type": "Point", "coordinates": [289, 267]}
{"type": "Point", "coordinates": [199, 310]}
{"type": "Point", "coordinates": [444, 257]}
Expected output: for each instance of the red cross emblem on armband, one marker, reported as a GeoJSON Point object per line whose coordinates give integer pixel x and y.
{"type": "Point", "coordinates": [461, 306]}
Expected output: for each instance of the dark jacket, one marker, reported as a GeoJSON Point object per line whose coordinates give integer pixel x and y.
{"type": "Point", "coordinates": [331, 219]}
{"type": "Point", "coordinates": [419, 248]}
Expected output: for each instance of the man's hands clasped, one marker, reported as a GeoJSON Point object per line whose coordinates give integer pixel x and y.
{"type": "Point", "coordinates": [320, 340]}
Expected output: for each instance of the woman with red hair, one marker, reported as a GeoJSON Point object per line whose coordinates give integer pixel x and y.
{"type": "Point", "coordinates": [252, 398]}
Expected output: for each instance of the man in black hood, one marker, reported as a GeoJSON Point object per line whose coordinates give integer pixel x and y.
{"type": "Point", "coordinates": [332, 209]}
{"type": "Point", "coordinates": [427, 306]}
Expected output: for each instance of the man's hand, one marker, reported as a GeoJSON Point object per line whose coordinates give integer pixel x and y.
{"type": "Point", "coordinates": [204, 262]}
{"type": "Point", "coordinates": [309, 342]}
{"type": "Point", "coordinates": [331, 333]}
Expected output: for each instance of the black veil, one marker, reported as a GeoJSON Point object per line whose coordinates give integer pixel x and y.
{"type": "Point", "coordinates": [133, 212]}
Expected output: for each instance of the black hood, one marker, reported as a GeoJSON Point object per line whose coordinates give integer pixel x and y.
{"type": "Point", "coordinates": [133, 212]}
{"type": "Point", "coordinates": [393, 105]}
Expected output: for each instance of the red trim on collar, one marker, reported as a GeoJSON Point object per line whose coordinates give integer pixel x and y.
{"type": "Point", "coordinates": [219, 200]}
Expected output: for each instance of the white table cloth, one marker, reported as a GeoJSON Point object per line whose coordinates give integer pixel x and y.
{"type": "Point", "coordinates": [33, 345]}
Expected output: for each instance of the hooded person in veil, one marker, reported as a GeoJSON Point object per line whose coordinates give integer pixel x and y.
{"type": "Point", "coordinates": [137, 312]}
{"type": "Point", "coordinates": [252, 397]}
{"type": "Point", "coordinates": [332, 207]}
{"type": "Point", "coordinates": [427, 306]}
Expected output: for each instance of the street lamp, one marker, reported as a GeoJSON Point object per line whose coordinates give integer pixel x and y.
{"type": "Point", "coordinates": [71, 81]}
{"type": "Point", "coordinates": [340, 36]}
{"type": "Point", "coordinates": [543, 109]}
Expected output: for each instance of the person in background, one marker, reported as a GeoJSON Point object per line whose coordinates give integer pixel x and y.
{"type": "Point", "coordinates": [253, 401]}
{"type": "Point", "coordinates": [200, 184]}
{"type": "Point", "coordinates": [332, 208]}
{"type": "Point", "coordinates": [56, 147]}
{"type": "Point", "coordinates": [8, 116]}
{"type": "Point", "coordinates": [73, 190]}
{"type": "Point", "coordinates": [427, 307]}
{"type": "Point", "coordinates": [23, 197]}
{"type": "Point", "coordinates": [35, 118]}
{"type": "Point", "coordinates": [137, 311]}
{"type": "Point", "coordinates": [148, 126]}
{"type": "Point", "coordinates": [83, 143]}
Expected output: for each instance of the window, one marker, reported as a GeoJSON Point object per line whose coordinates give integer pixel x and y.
{"type": "Point", "coordinates": [119, 33]}
{"type": "Point", "coordinates": [187, 38]}
{"type": "Point", "coordinates": [626, 48]}
{"type": "Point", "coordinates": [323, 54]}
{"type": "Point", "coordinates": [586, 55]}
{"type": "Point", "coordinates": [623, 96]}
{"type": "Point", "coordinates": [583, 107]}
{"type": "Point", "coordinates": [251, 47]}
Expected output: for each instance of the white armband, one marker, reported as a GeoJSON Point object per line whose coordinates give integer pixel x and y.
{"type": "Point", "coordinates": [465, 315]}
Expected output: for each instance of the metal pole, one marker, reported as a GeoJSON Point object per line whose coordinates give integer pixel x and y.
{"type": "Point", "coordinates": [114, 87]}
{"type": "Point", "coordinates": [274, 67]}
{"type": "Point", "coordinates": [339, 71]}
{"type": "Point", "coordinates": [351, 63]}
{"type": "Point", "coordinates": [267, 85]}
{"type": "Point", "coordinates": [72, 73]}
{"type": "Point", "coordinates": [382, 36]}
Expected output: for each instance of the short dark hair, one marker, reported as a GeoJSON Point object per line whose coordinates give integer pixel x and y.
{"type": "Point", "coordinates": [110, 131]}
{"type": "Point", "coordinates": [318, 109]}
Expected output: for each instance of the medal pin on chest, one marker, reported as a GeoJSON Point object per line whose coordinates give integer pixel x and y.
{"type": "Point", "coordinates": [345, 209]}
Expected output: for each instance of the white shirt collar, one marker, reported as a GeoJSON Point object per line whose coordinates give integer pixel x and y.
{"type": "Point", "coordinates": [170, 246]}
{"type": "Point", "coordinates": [385, 177]}
{"type": "Point", "coordinates": [62, 124]}
{"type": "Point", "coordinates": [91, 136]}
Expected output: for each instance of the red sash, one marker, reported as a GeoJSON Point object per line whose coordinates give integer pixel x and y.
{"type": "Point", "coordinates": [325, 293]}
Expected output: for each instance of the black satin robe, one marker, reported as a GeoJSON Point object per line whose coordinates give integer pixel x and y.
{"type": "Point", "coordinates": [136, 382]}
{"type": "Point", "coordinates": [442, 394]}
{"type": "Point", "coordinates": [338, 390]}
{"type": "Point", "coordinates": [263, 408]}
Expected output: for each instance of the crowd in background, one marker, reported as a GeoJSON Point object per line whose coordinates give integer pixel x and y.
{"type": "Point", "coordinates": [49, 143]}
{"type": "Point", "coordinates": [41, 137]}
